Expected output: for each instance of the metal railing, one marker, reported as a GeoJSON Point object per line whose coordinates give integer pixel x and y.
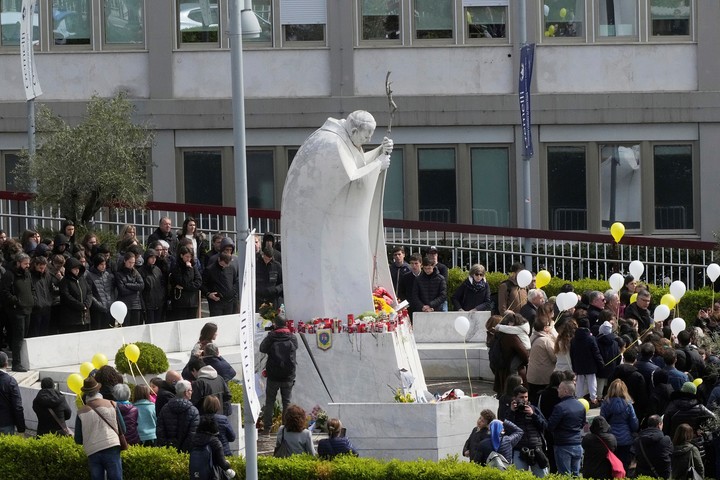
{"type": "Point", "coordinates": [568, 255]}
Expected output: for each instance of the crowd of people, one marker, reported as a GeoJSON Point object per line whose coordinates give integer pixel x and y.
{"type": "Point", "coordinates": [66, 284]}
{"type": "Point", "coordinates": [656, 391]}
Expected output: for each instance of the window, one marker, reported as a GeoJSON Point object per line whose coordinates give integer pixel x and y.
{"type": "Point", "coordinates": [202, 171]}
{"type": "Point", "coordinates": [434, 19]}
{"type": "Point", "coordinates": [303, 20]}
{"type": "Point", "coordinates": [394, 198]}
{"type": "Point", "coordinates": [10, 18]}
{"type": "Point", "coordinates": [617, 18]}
{"type": "Point", "coordinates": [567, 187]}
{"type": "Point", "coordinates": [261, 179]}
{"type": "Point", "coordinates": [380, 19]}
{"type": "Point", "coordinates": [670, 17]}
{"type": "Point", "coordinates": [124, 21]}
{"type": "Point", "coordinates": [490, 186]}
{"type": "Point", "coordinates": [72, 22]}
{"type": "Point", "coordinates": [436, 185]}
{"type": "Point", "coordinates": [564, 18]}
{"type": "Point", "coordinates": [263, 12]}
{"type": "Point", "coordinates": [486, 18]}
{"type": "Point", "coordinates": [620, 185]}
{"type": "Point", "coordinates": [198, 22]}
{"type": "Point", "coordinates": [11, 161]}
{"type": "Point", "coordinates": [673, 184]}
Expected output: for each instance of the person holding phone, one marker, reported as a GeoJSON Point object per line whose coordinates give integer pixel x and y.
{"type": "Point", "coordinates": [337, 443]}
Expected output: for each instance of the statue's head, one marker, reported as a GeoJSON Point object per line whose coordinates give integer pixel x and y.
{"type": "Point", "coordinates": [360, 126]}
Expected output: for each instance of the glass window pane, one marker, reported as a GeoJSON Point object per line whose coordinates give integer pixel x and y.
{"type": "Point", "coordinates": [304, 33]}
{"type": "Point", "coordinates": [670, 17]}
{"type": "Point", "coordinates": [263, 12]}
{"type": "Point", "coordinates": [198, 21]}
{"type": "Point", "coordinates": [291, 155]}
{"type": "Point", "coordinates": [564, 18]}
{"type": "Point", "coordinates": [486, 22]}
{"type": "Point", "coordinates": [203, 177]}
{"type": "Point", "coordinates": [433, 19]}
{"type": "Point", "coordinates": [620, 186]}
{"type": "Point", "coordinates": [618, 18]}
{"type": "Point", "coordinates": [380, 19]}
{"type": "Point", "coordinates": [436, 185]}
{"type": "Point", "coordinates": [490, 187]}
{"type": "Point", "coordinates": [394, 198]}
{"type": "Point", "coordinates": [567, 197]}
{"type": "Point", "coordinates": [71, 22]}
{"type": "Point", "coordinates": [261, 179]}
{"type": "Point", "coordinates": [10, 18]}
{"type": "Point", "coordinates": [124, 22]}
{"type": "Point", "coordinates": [11, 162]}
{"type": "Point", "coordinates": [673, 187]}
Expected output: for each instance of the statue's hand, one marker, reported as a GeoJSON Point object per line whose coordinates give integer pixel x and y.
{"type": "Point", "coordinates": [384, 162]}
{"type": "Point", "coordinates": [387, 146]}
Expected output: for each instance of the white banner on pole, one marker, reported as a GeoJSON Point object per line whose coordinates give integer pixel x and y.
{"type": "Point", "coordinates": [247, 327]}
{"type": "Point", "coordinates": [30, 80]}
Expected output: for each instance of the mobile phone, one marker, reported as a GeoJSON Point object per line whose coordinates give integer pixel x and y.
{"type": "Point", "coordinates": [343, 432]}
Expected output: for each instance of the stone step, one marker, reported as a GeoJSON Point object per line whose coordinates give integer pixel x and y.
{"type": "Point", "coordinates": [452, 360]}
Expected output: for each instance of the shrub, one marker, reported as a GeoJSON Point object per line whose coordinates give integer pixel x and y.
{"type": "Point", "coordinates": [152, 359]}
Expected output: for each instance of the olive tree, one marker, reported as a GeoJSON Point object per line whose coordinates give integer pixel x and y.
{"type": "Point", "coordinates": [101, 161]}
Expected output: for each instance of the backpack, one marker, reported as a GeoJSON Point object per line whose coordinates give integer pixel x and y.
{"type": "Point", "coordinates": [201, 463]}
{"type": "Point", "coordinates": [495, 354]}
{"type": "Point", "coordinates": [496, 460]}
{"type": "Point", "coordinates": [280, 363]}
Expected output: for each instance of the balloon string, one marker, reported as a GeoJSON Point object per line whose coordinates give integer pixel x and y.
{"type": "Point", "coordinates": [467, 365]}
{"type": "Point", "coordinates": [633, 343]}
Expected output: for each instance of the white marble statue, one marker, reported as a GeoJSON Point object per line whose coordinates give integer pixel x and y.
{"type": "Point", "coordinates": [333, 242]}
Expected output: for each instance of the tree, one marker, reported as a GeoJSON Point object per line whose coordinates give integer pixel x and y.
{"type": "Point", "coordinates": [102, 161]}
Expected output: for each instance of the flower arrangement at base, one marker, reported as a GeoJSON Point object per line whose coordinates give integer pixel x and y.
{"type": "Point", "coordinates": [318, 419]}
{"type": "Point", "coordinates": [268, 311]}
{"type": "Point", "coordinates": [382, 300]}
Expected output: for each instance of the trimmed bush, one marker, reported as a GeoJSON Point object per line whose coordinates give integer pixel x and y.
{"type": "Point", "coordinates": [152, 359]}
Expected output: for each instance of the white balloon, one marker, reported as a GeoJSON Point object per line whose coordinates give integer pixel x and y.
{"type": "Point", "coordinates": [677, 289]}
{"type": "Point", "coordinates": [677, 325]}
{"type": "Point", "coordinates": [118, 310]}
{"type": "Point", "coordinates": [713, 271]}
{"type": "Point", "coordinates": [546, 10]}
{"type": "Point", "coordinates": [566, 300]}
{"type": "Point", "coordinates": [636, 269]}
{"type": "Point", "coordinates": [462, 325]}
{"type": "Point", "coordinates": [616, 281]}
{"type": "Point", "coordinates": [661, 313]}
{"type": "Point", "coordinates": [524, 277]}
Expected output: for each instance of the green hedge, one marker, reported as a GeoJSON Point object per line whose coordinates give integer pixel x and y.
{"type": "Point", "coordinates": [691, 302]}
{"type": "Point", "coordinates": [60, 458]}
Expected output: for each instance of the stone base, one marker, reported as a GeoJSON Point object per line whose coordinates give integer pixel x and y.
{"type": "Point", "coordinates": [408, 431]}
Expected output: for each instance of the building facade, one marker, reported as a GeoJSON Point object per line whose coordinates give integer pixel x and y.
{"type": "Point", "coordinates": [625, 115]}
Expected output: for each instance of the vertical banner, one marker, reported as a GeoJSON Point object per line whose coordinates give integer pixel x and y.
{"type": "Point", "coordinates": [247, 327]}
{"type": "Point", "coordinates": [30, 80]}
{"type": "Point", "coordinates": [527, 55]}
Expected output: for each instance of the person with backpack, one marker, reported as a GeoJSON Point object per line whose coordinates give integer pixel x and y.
{"type": "Point", "coordinates": [280, 346]}
{"type": "Point", "coordinates": [207, 460]}
{"type": "Point", "coordinates": [503, 438]}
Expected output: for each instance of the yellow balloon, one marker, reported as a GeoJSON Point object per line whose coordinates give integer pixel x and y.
{"type": "Point", "coordinates": [585, 403]}
{"type": "Point", "coordinates": [547, 34]}
{"type": "Point", "coordinates": [563, 12]}
{"type": "Point", "coordinates": [132, 352]}
{"type": "Point", "coordinates": [99, 360]}
{"type": "Point", "coordinates": [697, 382]}
{"type": "Point", "coordinates": [551, 30]}
{"type": "Point", "coordinates": [633, 298]}
{"type": "Point", "coordinates": [617, 230]}
{"type": "Point", "coordinates": [86, 368]}
{"type": "Point", "coordinates": [668, 300]}
{"type": "Point", "coordinates": [542, 278]}
{"type": "Point", "coordinates": [75, 383]}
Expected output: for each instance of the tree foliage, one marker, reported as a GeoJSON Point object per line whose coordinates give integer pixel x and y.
{"type": "Point", "coordinates": [101, 161]}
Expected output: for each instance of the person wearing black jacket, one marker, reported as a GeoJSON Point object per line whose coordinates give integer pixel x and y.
{"type": "Point", "coordinates": [102, 285]}
{"type": "Point", "coordinates": [280, 346]}
{"type": "Point", "coordinates": [474, 293]}
{"type": "Point", "coordinates": [16, 289]}
{"type": "Point", "coordinates": [471, 448]}
{"type": "Point", "coordinates": [185, 282]}
{"type": "Point", "coordinates": [639, 311]}
{"type": "Point", "coordinates": [429, 290]}
{"type": "Point", "coordinates": [653, 450]}
{"type": "Point", "coordinates": [49, 399]}
{"type": "Point", "coordinates": [153, 294]}
{"type": "Point", "coordinates": [164, 389]}
{"type": "Point", "coordinates": [595, 446]}
{"type": "Point", "coordinates": [12, 415]}
{"type": "Point", "coordinates": [211, 357]}
{"type": "Point", "coordinates": [268, 280]}
{"type": "Point", "coordinates": [221, 285]}
{"type": "Point", "coordinates": [178, 420]}
{"type": "Point", "coordinates": [532, 422]}
{"type": "Point", "coordinates": [42, 295]}
{"type": "Point", "coordinates": [130, 286]}
{"type": "Point", "coordinates": [75, 298]}
{"type": "Point", "coordinates": [164, 232]}
{"type": "Point", "coordinates": [206, 437]}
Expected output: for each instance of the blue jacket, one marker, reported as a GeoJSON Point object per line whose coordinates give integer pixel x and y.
{"type": "Point", "coordinates": [567, 421]}
{"type": "Point", "coordinates": [329, 447]}
{"type": "Point", "coordinates": [221, 366]}
{"type": "Point", "coordinates": [585, 354]}
{"type": "Point", "coordinates": [622, 419]}
{"type": "Point", "coordinates": [676, 378]}
{"type": "Point", "coordinates": [609, 350]}
{"type": "Point", "coordinates": [225, 432]}
{"type": "Point", "coordinates": [146, 420]}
